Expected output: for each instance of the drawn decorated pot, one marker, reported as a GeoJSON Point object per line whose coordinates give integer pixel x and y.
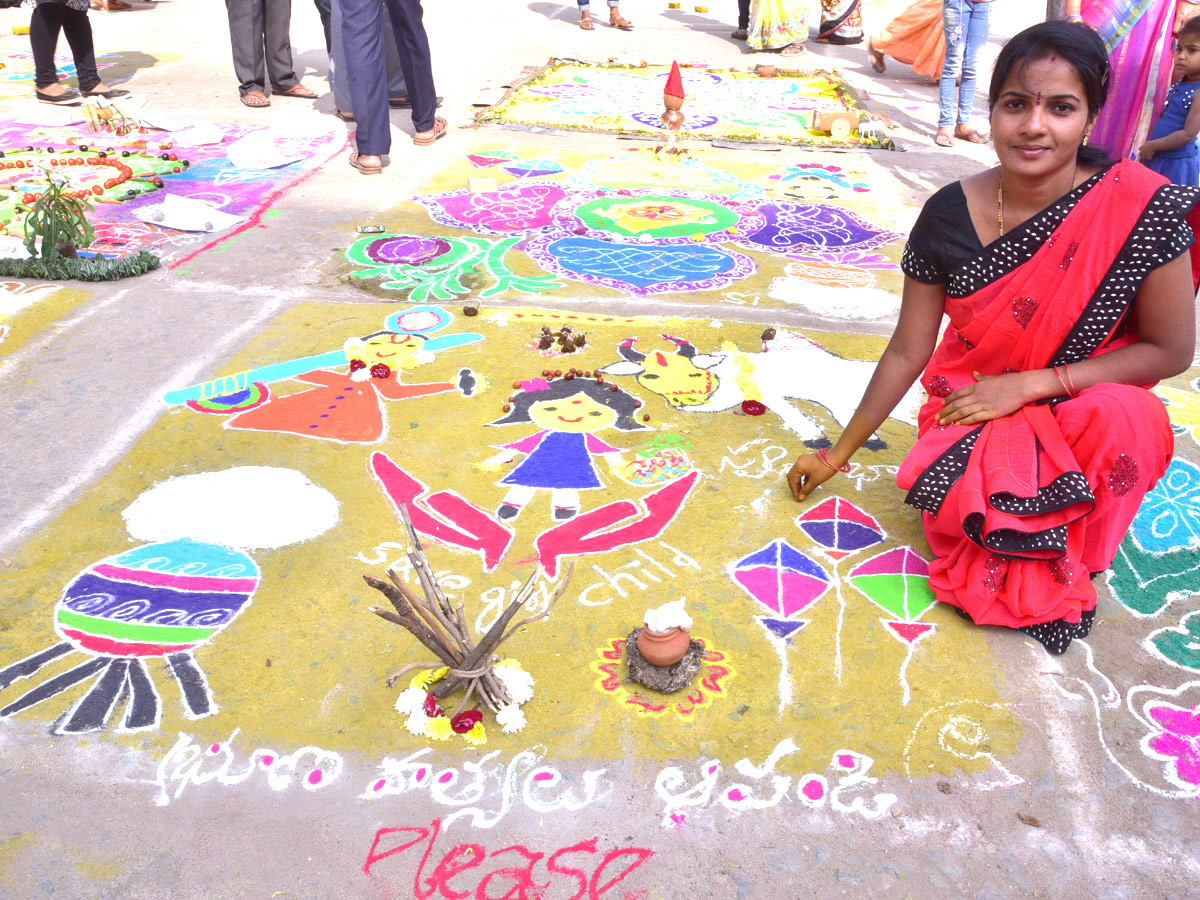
{"type": "Point", "coordinates": [664, 649]}
{"type": "Point", "coordinates": [156, 600]}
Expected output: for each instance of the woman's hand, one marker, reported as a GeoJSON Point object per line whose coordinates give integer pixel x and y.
{"type": "Point", "coordinates": [806, 474]}
{"type": "Point", "coordinates": [990, 397]}
{"type": "Point", "coordinates": [1145, 152]}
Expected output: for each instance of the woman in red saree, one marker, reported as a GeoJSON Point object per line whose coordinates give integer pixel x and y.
{"type": "Point", "coordinates": [1067, 285]}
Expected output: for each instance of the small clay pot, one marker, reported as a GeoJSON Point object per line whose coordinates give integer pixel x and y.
{"type": "Point", "coordinates": [663, 649]}
{"type": "Point", "coordinates": [765, 71]}
{"type": "Point", "coordinates": [670, 101]}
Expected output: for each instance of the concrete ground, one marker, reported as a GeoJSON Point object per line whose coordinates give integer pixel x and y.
{"type": "Point", "coordinates": [1010, 774]}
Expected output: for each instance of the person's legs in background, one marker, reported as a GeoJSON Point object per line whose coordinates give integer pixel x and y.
{"type": "Point", "coordinates": [743, 26]}
{"type": "Point", "coordinates": [338, 83]}
{"type": "Point", "coordinates": [246, 40]}
{"type": "Point", "coordinates": [366, 78]}
{"type": "Point", "coordinates": [77, 28]}
{"type": "Point", "coordinates": [975, 34]}
{"type": "Point", "coordinates": [952, 28]}
{"type": "Point", "coordinates": [44, 26]}
{"type": "Point", "coordinates": [277, 40]}
{"type": "Point", "coordinates": [325, 11]}
{"type": "Point", "coordinates": [415, 60]}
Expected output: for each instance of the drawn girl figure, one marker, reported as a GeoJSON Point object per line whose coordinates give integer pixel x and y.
{"type": "Point", "coordinates": [568, 412]}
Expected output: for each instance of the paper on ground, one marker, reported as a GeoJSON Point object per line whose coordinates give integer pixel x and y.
{"type": "Point", "coordinates": [185, 214]}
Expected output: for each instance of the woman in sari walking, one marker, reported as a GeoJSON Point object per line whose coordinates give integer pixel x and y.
{"type": "Point", "coordinates": [841, 22]}
{"type": "Point", "coordinates": [778, 25]}
{"type": "Point", "coordinates": [1066, 281]}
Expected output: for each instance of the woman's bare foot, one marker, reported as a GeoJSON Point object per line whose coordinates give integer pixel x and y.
{"type": "Point", "coordinates": [944, 138]}
{"type": "Point", "coordinates": [969, 134]}
{"type": "Point", "coordinates": [585, 21]}
{"type": "Point", "coordinates": [616, 20]}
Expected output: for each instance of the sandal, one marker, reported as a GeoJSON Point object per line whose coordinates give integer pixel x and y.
{"type": "Point", "coordinates": [585, 22]}
{"type": "Point", "coordinates": [255, 100]}
{"type": "Point", "coordinates": [875, 58]}
{"type": "Point", "coordinates": [343, 115]}
{"type": "Point", "coordinates": [616, 20]}
{"type": "Point", "coordinates": [970, 135]}
{"type": "Point", "coordinates": [437, 132]}
{"type": "Point", "coordinates": [402, 102]}
{"type": "Point", "coordinates": [365, 169]}
{"type": "Point", "coordinates": [793, 50]}
{"type": "Point", "coordinates": [299, 91]}
{"type": "Point", "coordinates": [944, 139]}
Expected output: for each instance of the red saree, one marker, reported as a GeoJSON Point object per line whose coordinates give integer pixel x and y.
{"type": "Point", "coordinates": [1021, 510]}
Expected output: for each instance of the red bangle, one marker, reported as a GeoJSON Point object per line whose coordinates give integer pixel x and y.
{"type": "Point", "coordinates": [823, 456]}
{"type": "Point", "coordinates": [1071, 381]}
{"type": "Point", "coordinates": [1066, 390]}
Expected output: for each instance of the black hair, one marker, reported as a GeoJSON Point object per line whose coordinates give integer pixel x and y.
{"type": "Point", "coordinates": [1080, 46]}
{"type": "Point", "coordinates": [624, 404]}
{"type": "Point", "coordinates": [1189, 28]}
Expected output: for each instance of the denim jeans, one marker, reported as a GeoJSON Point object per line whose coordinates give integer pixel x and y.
{"type": "Point", "coordinates": [965, 25]}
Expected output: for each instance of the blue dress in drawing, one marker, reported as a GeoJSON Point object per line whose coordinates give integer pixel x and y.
{"type": "Point", "coordinates": [1181, 165]}
{"type": "Point", "coordinates": [557, 460]}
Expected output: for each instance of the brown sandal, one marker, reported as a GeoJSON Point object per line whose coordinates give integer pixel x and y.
{"type": "Point", "coordinates": [299, 91]}
{"type": "Point", "coordinates": [255, 100]}
{"type": "Point", "coordinates": [437, 132]}
{"type": "Point", "coordinates": [585, 22]}
{"type": "Point", "coordinates": [365, 169]}
{"type": "Point", "coordinates": [619, 21]}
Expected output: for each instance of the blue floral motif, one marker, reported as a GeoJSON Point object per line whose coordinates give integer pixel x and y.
{"type": "Point", "coordinates": [1169, 519]}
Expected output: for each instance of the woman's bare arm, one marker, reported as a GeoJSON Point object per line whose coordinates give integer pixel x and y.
{"type": "Point", "coordinates": [907, 353]}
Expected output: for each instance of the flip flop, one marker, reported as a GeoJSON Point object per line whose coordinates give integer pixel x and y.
{"type": "Point", "coordinates": [425, 138]}
{"type": "Point", "coordinates": [621, 23]}
{"type": "Point", "coordinates": [971, 136]}
{"type": "Point", "coordinates": [299, 91]}
{"type": "Point", "coordinates": [793, 50]}
{"type": "Point", "coordinates": [366, 170]}
{"type": "Point", "coordinates": [255, 100]}
{"type": "Point", "coordinates": [405, 103]}
{"type": "Point", "coordinates": [586, 23]}
{"type": "Point", "coordinates": [875, 58]}
{"type": "Point", "coordinates": [343, 115]}
{"type": "Point", "coordinates": [944, 139]}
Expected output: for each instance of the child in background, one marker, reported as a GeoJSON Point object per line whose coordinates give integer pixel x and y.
{"type": "Point", "coordinates": [1171, 148]}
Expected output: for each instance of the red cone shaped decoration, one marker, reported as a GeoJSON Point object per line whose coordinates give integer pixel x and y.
{"type": "Point", "coordinates": [674, 86]}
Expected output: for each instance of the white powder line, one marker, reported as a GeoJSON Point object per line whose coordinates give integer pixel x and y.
{"type": "Point", "coordinates": [145, 416]}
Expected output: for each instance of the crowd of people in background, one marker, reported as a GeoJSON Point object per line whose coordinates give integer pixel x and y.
{"type": "Point", "coordinates": [379, 60]}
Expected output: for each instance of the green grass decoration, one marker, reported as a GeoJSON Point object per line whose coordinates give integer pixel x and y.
{"type": "Point", "coordinates": [55, 229]}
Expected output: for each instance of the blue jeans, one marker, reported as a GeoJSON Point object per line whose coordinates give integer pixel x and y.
{"type": "Point", "coordinates": [965, 25]}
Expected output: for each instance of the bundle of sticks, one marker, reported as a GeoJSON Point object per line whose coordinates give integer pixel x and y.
{"type": "Point", "coordinates": [444, 630]}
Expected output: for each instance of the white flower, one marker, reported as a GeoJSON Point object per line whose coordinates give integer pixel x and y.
{"type": "Point", "coordinates": [411, 700]}
{"type": "Point", "coordinates": [510, 718]}
{"type": "Point", "coordinates": [416, 723]}
{"type": "Point", "coordinates": [517, 683]}
{"type": "Point", "coordinates": [360, 375]}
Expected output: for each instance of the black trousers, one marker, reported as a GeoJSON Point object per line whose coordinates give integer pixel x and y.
{"type": "Point", "coordinates": [47, 21]}
{"type": "Point", "coordinates": [743, 14]}
{"type": "Point", "coordinates": [262, 46]}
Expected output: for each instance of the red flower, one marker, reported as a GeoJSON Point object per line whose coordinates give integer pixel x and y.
{"type": "Point", "coordinates": [465, 721]}
{"type": "Point", "coordinates": [431, 708]}
{"type": "Point", "coordinates": [379, 370]}
{"type": "Point", "coordinates": [356, 364]}
{"type": "Point", "coordinates": [753, 408]}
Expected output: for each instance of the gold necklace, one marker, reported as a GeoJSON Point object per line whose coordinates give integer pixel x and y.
{"type": "Point", "coordinates": [1000, 198]}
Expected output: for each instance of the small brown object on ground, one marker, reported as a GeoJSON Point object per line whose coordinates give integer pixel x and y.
{"type": "Point", "coordinates": [470, 310]}
{"type": "Point", "coordinates": [1029, 820]}
{"type": "Point", "coordinates": [255, 100]}
{"type": "Point", "coordinates": [944, 787]}
{"type": "Point", "coordinates": [768, 334]}
{"type": "Point", "coordinates": [268, 663]}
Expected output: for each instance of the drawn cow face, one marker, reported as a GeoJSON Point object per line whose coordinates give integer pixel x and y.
{"type": "Point", "coordinates": [682, 378]}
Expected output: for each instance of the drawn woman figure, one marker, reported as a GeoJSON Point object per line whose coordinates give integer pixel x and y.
{"type": "Point", "coordinates": [569, 412]}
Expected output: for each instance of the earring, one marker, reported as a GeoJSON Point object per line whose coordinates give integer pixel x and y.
{"type": "Point", "coordinates": [1087, 135]}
